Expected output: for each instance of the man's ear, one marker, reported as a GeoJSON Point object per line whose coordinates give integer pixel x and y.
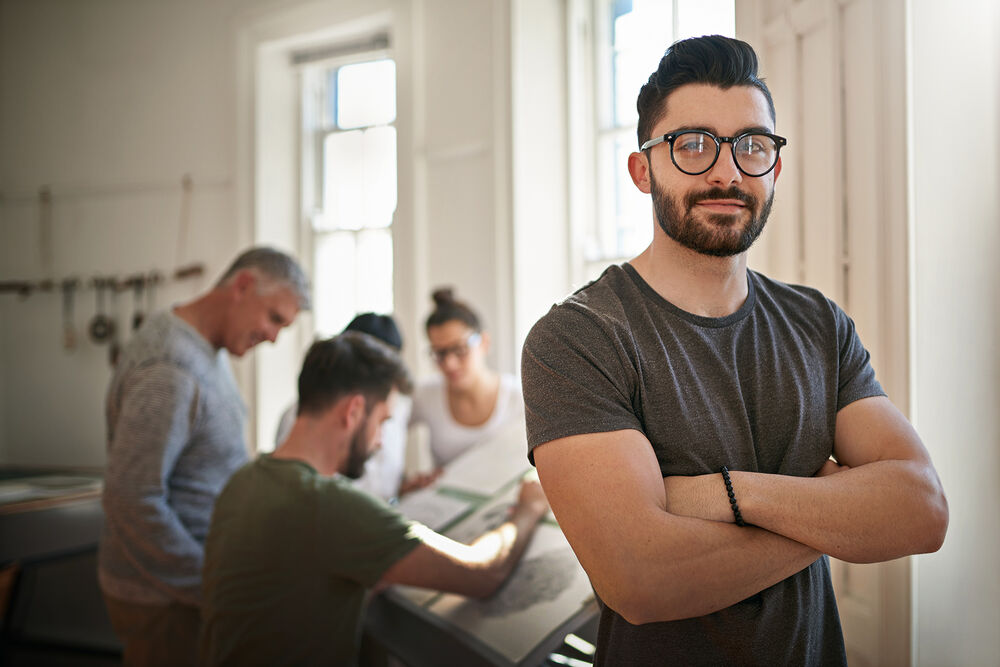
{"type": "Point", "coordinates": [777, 169]}
{"type": "Point", "coordinates": [354, 411]}
{"type": "Point", "coordinates": [243, 283]}
{"type": "Point", "coordinates": [484, 341]}
{"type": "Point", "coordinates": [638, 169]}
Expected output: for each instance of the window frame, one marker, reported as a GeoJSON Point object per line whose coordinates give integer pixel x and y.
{"type": "Point", "coordinates": [593, 184]}
{"type": "Point", "coordinates": [315, 128]}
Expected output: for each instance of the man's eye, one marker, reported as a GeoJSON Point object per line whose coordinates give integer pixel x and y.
{"type": "Point", "coordinates": [754, 145]}
{"type": "Point", "coordinates": [691, 146]}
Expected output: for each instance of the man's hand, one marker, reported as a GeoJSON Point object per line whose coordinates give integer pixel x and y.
{"type": "Point", "coordinates": [531, 497]}
{"type": "Point", "coordinates": [477, 569]}
{"type": "Point", "coordinates": [830, 467]}
{"type": "Point", "coordinates": [419, 481]}
{"type": "Point", "coordinates": [885, 503]}
{"type": "Point", "coordinates": [705, 497]}
{"type": "Point", "coordinates": [644, 561]}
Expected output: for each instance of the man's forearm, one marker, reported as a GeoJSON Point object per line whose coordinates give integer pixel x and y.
{"type": "Point", "coordinates": [870, 513]}
{"type": "Point", "coordinates": [502, 548]}
{"type": "Point", "coordinates": [692, 567]}
{"type": "Point", "coordinates": [475, 570]}
{"type": "Point", "coordinates": [874, 512]}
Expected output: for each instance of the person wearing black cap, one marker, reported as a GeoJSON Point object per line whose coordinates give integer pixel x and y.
{"type": "Point", "coordinates": [383, 472]}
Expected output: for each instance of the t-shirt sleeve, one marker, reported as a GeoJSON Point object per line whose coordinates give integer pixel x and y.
{"type": "Point", "coordinates": [856, 377]}
{"type": "Point", "coordinates": [369, 535]}
{"type": "Point", "coordinates": [576, 378]}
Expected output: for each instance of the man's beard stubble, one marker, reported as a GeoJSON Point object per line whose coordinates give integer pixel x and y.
{"type": "Point", "coordinates": [358, 455]}
{"type": "Point", "coordinates": [718, 236]}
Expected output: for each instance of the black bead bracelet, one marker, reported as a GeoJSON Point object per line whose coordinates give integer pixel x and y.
{"type": "Point", "coordinates": [732, 497]}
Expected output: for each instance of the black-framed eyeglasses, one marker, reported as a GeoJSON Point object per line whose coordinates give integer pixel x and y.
{"type": "Point", "coordinates": [440, 355]}
{"type": "Point", "coordinates": [695, 151]}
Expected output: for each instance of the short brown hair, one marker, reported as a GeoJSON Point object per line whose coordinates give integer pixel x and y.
{"type": "Point", "coordinates": [351, 363]}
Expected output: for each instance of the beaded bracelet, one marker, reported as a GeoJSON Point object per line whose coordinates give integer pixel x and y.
{"type": "Point", "coordinates": [732, 497]}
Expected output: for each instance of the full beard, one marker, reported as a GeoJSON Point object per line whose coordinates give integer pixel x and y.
{"type": "Point", "coordinates": [718, 235]}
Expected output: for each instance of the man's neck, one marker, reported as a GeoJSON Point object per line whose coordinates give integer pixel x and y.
{"type": "Point", "coordinates": [699, 284]}
{"type": "Point", "coordinates": [309, 442]}
{"type": "Point", "coordinates": [204, 314]}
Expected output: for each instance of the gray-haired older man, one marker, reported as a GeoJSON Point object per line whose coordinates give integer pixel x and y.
{"type": "Point", "coordinates": [175, 435]}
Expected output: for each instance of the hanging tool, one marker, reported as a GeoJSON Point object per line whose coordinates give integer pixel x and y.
{"type": "Point", "coordinates": [101, 327]}
{"type": "Point", "coordinates": [138, 285]}
{"type": "Point", "coordinates": [69, 329]}
{"type": "Point", "coordinates": [45, 228]}
{"type": "Point", "coordinates": [114, 349]}
{"type": "Point", "coordinates": [152, 280]}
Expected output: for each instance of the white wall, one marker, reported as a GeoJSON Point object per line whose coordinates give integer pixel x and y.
{"type": "Point", "coordinates": [540, 139]}
{"type": "Point", "coordinates": [955, 78]}
{"type": "Point", "coordinates": [462, 162]}
{"type": "Point", "coordinates": [110, 103]}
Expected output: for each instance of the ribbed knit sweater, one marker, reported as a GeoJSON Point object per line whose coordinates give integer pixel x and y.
{"type": "Point", "coordinates": [175, 435]}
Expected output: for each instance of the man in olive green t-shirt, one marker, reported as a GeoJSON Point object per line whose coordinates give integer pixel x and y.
{"type": "Point", "coordinates": [293, 547]}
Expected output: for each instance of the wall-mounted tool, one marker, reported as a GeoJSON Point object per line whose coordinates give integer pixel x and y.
{"type": "Point", "coordinates": [114, 347]}
{"type": "Point", "coordinates": [138, 283]}
{"type": "Point", "coordinates": [102, 327]}
{"type": "Point", "coordinates": [69, 286]}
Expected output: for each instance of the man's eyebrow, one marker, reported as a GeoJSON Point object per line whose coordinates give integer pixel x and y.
{"type": "Point", "coordinates": [697, 128]}
{"type": "Point", "coordinates": [755, 129]}
{"type": "Point", "coordinates": [752, 129]}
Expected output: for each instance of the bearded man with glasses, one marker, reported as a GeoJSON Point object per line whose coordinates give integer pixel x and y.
{"type": "Point", "coordinates": [705, 435]}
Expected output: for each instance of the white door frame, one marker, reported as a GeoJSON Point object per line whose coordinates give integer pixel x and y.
{"type": "Point", "coordinates": [837, 69]}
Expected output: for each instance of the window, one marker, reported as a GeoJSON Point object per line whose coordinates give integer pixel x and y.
{"type": "Point", "coordinates": [349, 186]}
{"type": "Point", "coordinates": [629, 37]}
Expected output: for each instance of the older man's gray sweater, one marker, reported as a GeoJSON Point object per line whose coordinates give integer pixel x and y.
{"type": "Point", "coordinates": [175, 435]}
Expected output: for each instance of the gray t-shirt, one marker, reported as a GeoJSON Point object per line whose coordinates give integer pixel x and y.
{"type": "Point", "coordinates": [757, 390]}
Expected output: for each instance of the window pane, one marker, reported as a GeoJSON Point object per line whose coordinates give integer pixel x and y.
{"type": "Point", "coordinates": [374, 271]}
{"type": "Point", "coordinates": [648, 21]}
{"type": "Point", "coordinates": [633, 224]}
{"type": "Point", "coordinates": [343, 181]}
{"type": "Point", "coordinates": [359, 179]}
{"type": "Point", "coordinates": [632, 69]}
{"type": "Point", "coordinates": [705, 17]}
{"type": "Point", "coordinates": [624, 226]}
{"type": "Point", "coordinates": [639, 39]}
{"type": "Point", "coordinates": [602, 244]}
{"type": "Point", "coordinates": [641, 30]}
{"type": "Point", "coordinates": [379, 176]}
{"type": "Point", "coordinates": [334, 278]}
{"type": "Point", "coordinates": [366, 94]}
{"type": "Point", "coordinates": [353, 274]}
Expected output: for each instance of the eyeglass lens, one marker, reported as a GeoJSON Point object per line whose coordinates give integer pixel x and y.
{"type": "Point", "coordinates": [460, 351]}
{"type": "Point", "coordinates": [695, 152]}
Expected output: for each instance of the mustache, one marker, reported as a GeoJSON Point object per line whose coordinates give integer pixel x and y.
{"type": "Point", "coordinates": [719, 193]}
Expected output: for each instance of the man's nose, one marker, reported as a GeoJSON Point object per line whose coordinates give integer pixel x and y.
{"type": "Point", "coordinates": [724, 172]}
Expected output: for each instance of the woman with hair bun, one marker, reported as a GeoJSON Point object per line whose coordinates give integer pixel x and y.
{"type": "Point", "coordinates": [468, 402]}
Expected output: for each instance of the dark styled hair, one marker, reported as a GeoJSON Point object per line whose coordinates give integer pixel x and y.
{"type": "Point", "coordinates": [273, 266]}
{"type": "Point", "coordinates": [713, 59]}
{"type": "Point", "coordinates": [351, 363]}
{"type": "Point", "coordinates": [382, 327]}
{"type": "Point", "coordinates": [448, 308]}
